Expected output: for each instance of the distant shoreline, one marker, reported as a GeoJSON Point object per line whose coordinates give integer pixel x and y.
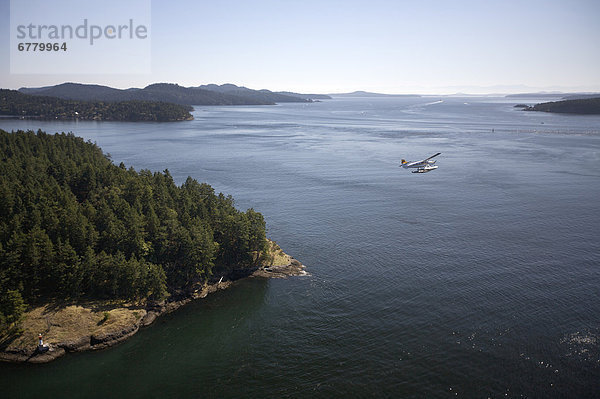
{"type": "Point", "coordinates": [48, 118]}
{"type": "Point", "coordinates": [17, 104]}
{"type": "Point", "coordinates": [582, 106]}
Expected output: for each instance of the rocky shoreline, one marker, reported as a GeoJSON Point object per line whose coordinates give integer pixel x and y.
{"type": "Point", "coordinates": [93, 326]}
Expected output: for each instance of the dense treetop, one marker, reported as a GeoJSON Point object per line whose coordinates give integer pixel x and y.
{"type": "Point", "coordinates": [17, 104]}
{"type": "Point", "coordinates": [74, 225]}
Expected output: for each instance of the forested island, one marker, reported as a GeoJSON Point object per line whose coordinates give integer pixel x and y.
{"type": "Point", "coordinates": [583, 106]}
{"type": "Point", "coordinates": [20, 105]}
{"type": "Point", "coordinates": [162, 102]}
{"type": "Point", "coordinates": [104, 249]}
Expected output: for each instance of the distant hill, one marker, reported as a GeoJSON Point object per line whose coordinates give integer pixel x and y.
{"type": "Point", "coordinates": [581, 96]}
{"type": "Point", "coordinates": [77, 91]}
{"type": "Point", "coordinates": [264, 95]}
{"type": "Point", "coordinates": [555, 94]}
{"type": "Point", "coordinates": [21, 105]}
{"type": "Point", "coordinates": [586, 106]}
{"type": "Point", "coordinates": [165, 92]}
{"type": "Point", "coordinates": [361, 93]}
{"type": "Point", "coordinates": [540, 94]}
{"type": "Point", "coordinates": [197, 96]}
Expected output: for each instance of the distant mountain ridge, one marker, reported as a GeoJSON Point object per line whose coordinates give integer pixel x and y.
{"type": "Point", "coordinates": [227, 94]}
{"type": "Point", "coordinates": [539, 94]}
{"type": "Point", "coordinates": [263, 95]}
{"type": "Point", "coordinates": [581, 96]}
{"type": "Point", "coordinates": [361, 93]}
{"type": "Point", "coordinates": [562, 95]}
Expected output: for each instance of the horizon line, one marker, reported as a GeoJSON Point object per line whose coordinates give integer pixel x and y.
{"type": "Point", "coordinates": [467, 90]}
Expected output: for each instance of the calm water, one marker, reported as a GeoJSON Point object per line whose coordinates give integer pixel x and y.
{"type": "Point", "coordinates": [481, 279]}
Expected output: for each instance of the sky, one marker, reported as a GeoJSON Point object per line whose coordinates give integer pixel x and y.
{"type": "Point", "coordinates": [330, 46]}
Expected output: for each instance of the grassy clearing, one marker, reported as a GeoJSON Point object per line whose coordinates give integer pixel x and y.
{"type": "Point", "coordinates": [59, 323]}
{"type": "Point", "coordinates": [276, 255]}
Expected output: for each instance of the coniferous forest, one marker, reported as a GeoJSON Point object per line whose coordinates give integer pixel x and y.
{"type": "Point", "coordinates": [19, 105]}
{"type": "Point", "coordinates": [74, 225]}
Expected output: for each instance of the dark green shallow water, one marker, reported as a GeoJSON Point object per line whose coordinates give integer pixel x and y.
{"type": "Point", "coordinates": [477, 280]}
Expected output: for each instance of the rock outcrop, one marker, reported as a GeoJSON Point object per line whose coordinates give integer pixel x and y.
{"type": "Point", "coordinates": [94, 325]}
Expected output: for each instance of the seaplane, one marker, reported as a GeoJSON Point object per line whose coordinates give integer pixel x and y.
{"type": "Point", "coordinates": [424, 166]}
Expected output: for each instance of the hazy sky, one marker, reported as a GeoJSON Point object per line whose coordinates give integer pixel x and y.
{"type": "Point", "coordinates": [337, 46]}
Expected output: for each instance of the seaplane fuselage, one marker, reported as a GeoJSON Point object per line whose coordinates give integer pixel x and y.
{"type": "Point", "coordinates": [424, 166]}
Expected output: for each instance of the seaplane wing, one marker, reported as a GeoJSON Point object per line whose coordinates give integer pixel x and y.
{"type": "Point", "coordinates": [433, 156]}
{"type": "Point", "coordinates": [424, 166]}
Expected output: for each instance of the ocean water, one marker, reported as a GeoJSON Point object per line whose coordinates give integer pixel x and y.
{"type": "Point", "coordinates": [480, 279]}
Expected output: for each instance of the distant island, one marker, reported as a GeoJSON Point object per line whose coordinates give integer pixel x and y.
{"type": "Point", "coordinates": [308, 96]}
{"type": "Point", "coordinates": [91, 251]}
{"type": "Point", "coordinates": [554, 94]}
{"type": "Point", "coordinates": [585, 106]}
{"type": "Point", "coordinates": [540, 94]}
{"type": "Point", "coordinates": [164, 102]}
{"type": "Point", "coordinates": [19, 105]}
{"type": "Point", "coordinates": [262, 95]}
{"type": "Point", "coordinates": [212, 94]}
{"type": "Point", "coordinates": [581, 96]}
{"type": "Point", "coordinates": [361, 93]}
